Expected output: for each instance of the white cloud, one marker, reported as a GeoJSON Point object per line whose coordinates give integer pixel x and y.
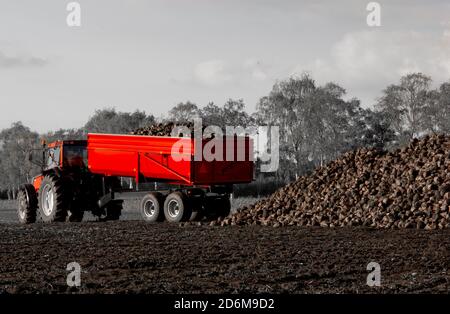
{"type": "Point", "coordinates": [259, 75]}
{"type": "Point", "coordinates": [255, 68]}
{"type": "Point", "coordinates": [16, 60]}
{"type": "Point", "coordinates": [213, 72]}
{"type": "Point", "coordinates": [370, 60]}
{"type": "Point", "coordinates": [13, 55]}
{"type": "Point", "coordinates": [220, 72]}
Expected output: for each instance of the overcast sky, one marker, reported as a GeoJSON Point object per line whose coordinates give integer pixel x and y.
{"type": "Point", "coordinates": [150, 55]}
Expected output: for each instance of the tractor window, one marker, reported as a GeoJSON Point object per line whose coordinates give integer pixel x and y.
{"type": "Point", "coordinates": [52, 157]}
{"type": "Point", "coordinates": [75, 156]}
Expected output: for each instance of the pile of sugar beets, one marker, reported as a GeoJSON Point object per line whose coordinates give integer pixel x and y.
{"type": "Point", "coordinates": [160, 129]}
{"type": "Point", "coordinates": [165, 129]}
{"type": "Point", "coordinates": [406, 188]}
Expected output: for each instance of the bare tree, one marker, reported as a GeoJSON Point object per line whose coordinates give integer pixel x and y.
{"type": "Point", "coordinates": [16, 144]}
{"type": "Point", "coordinates": [110, 121]}
{"type": "Point", "coordinates": [443, 111]}
{"type": "Point", "coordinates": [405, 104]}
{"type": "Point", "coordinates": [212, 114]}
{"type": "Point", "coordinates": [184, 112]}
{"type": "Point", "coordinates": [316, 123]}
{"type": "Point", "coordinates": [64, 134]}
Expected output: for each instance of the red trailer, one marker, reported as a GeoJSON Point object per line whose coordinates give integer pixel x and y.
{"type": "Point", "coordinates": [153, 157]}
{"type": "Point", "coordinates": [79, 176]}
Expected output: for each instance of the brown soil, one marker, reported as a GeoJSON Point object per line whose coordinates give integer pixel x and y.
{"type": "Point", "coordinates": [136, 257]}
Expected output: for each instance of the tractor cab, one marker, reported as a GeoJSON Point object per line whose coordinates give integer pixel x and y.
{"type": "Point", "coordinates": [65, 154]}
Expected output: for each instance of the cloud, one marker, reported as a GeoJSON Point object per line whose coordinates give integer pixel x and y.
{"type": "Point", "coordinates": [220, 72]}
{"type": "Point", "coordinates": [368, 61]}
{"type": "Point", "coordinates": [255, 68]}
{"type": "Point", "coordinates": [20, 60]}
{"type": "Point", "coordinates": [213, 72]}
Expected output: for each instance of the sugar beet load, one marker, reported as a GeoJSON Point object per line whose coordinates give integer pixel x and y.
{"type": "Point", "coordinates": [80, 176]}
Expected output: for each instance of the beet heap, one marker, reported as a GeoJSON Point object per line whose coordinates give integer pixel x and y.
{"type": "Point", "coordinates": [161, 129]}
{"type": "Point", "coordinates": [406, 188]}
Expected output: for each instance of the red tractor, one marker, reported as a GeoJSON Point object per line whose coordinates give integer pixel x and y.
{"type": "Point", "coordinates": [79, 176]}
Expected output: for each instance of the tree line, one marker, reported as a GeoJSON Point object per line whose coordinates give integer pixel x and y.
{"type": "Point", "coordinates": [317, 123]}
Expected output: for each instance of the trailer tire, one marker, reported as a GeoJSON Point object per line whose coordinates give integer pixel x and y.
{"type": "Point", "coordinates": [197, 209]}
{"type": "Point", "coordinates": [196, 215]}
{"type": "Point", "coordinates": [53, 200]}
{"type": "Point", "coordinates": [27, 204]}
{"type": "Point", "coordinates": [151, 207]}
{"type": "Point", "coordinates": [223, 207]}
{"type": "Point", "coordinates": [217, 207]}
{"type": "Point", "coordinates": [177, 208]}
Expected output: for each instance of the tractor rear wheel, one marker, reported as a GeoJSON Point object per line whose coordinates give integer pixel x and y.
{"type": "Point", "coordinates": [28, 204]}
{"type": "Point", "coordinates": [151, 207]}
{"type": "Point", "coordinates": [53, 200]}
{"type": "Point", "coordinates": [176, 207]}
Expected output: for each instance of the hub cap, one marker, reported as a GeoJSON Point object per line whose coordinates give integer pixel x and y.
{"type": "Point", "coordinates": [48, 200]}
{"type": "Point", "coordinates": [173, 208]}
{"type": "Point", "coordinates": [149, 208]}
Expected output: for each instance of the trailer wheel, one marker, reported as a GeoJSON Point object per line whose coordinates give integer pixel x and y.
{"type": "Point", "coordinates": [28, 204]}
{"type": "Point", "coordinates": [151, 207]}
{"type": "Point", "coordinates": [223, 207]}
{"type": "Point", "coordinates": [53, 200]}
{"type": "Point", "coordinates": [176, 208]}
{"type": "Point", "coordinates": [217, 207]}
{"type": "Point", "coordinates": [196, 215]}
{"type": "Point", "coordinates": [197, 209]}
